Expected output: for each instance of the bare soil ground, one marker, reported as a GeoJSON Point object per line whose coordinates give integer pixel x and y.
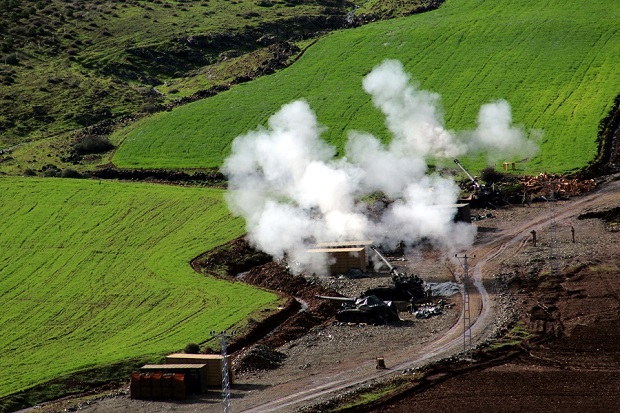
{"type": "Point", "coordinates": [574, 362]}
{"type": "Point", "coordinates": [566, 292]}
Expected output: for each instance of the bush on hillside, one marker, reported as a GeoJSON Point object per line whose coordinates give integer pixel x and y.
{"type": "Point", "coordinates": [70, 173]}
{"type": "Point", "coordinates": [92, 144]}
{"type": "Point", "coordinates": [192, 348]}
{"type": "Point", "coordinates": [50, 171]}
{"type": "Point", "coordinates": [491, 176]}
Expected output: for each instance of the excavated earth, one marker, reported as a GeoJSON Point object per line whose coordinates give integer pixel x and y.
{"type": "Point", "coordinates": [564, 294]}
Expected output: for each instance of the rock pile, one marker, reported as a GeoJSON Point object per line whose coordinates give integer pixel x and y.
{"type": "Point", "coordinates": [257, 357]}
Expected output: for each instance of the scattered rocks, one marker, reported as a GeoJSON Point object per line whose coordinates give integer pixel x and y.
{"type": "Point", "coordinates": [258, 357]}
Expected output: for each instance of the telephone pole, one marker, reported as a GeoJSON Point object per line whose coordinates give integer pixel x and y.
{"type": "Point", "coordinates": [553, 253]}
{"type": "Point", "coordinates": [223, 336]}
{"type": "Point", "coordinates": [467, 343]}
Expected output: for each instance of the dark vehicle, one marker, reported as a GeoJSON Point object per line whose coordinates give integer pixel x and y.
{"type": "Point", "coordinates": [481, 195]}
{"type": "Point", "coordinates": [369, 310]}
{"type": "Point", "coordinates": [404, 287]}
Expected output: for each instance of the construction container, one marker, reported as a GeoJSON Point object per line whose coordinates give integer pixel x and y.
{"type": "Point", "coordinates": [134, 386]}
{"type": "Point", "coordinates": [348, 244]}
{"type": "Point", "coordinates": [178, 386]}
{"type": "Point", "coordinates": [145, 386]}
{"type": "Point", "coordinates": [156, 386]}
{"type": "Point", "coordinates": [213, 362]}
{"type": "Point", "coordinates": [166, 386]}
{"type": "Point", "coordinates": [195, 376]}
{"type": "Point", "coordinates": [343, 244]}
{"type": "Point", "coordinates": [342, 260]}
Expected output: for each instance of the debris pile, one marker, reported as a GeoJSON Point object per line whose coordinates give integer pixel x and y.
{"type": "Point", "coordinates": [429, 310]}
{"type": "Point", "coordinates": [258, 357]}
{"type": "Point", "coordinates": [542, 183]}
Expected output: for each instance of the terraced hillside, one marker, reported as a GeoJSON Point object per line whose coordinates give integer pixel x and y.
{"type": "Point", "coordinates": [98, 272]}
{"type": "Point", "coordinates": [553, 62]}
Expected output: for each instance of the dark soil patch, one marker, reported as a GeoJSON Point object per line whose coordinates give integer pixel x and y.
{"type": "Point", "coordinates": [275, 277]}
{"type": "Point", "coordinates": [230, 259]}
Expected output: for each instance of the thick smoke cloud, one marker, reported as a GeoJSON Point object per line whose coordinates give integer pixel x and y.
{"type": "Point", "coordinates": [293, 192]}
{"type": "Point", "coordinates": [497, 137]}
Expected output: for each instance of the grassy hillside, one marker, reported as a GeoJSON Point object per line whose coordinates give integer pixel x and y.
{"type": "Point", "coordinates": [66, 64]}
{"type": "Point", "coordinates": [98, 272]}
{"type": "Point", "coordinates": [555, 63]}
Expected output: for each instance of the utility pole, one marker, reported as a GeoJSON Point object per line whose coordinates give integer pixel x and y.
{"type": "Point", "coordinates": [223, 336]}
{"type": "Point", "coordinates": [467, 343]}
{"type": "Point", "coordinates": [553, 258]}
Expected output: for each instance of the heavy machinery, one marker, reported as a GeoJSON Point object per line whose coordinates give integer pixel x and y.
{"type": "Point", "coordinates": [405, 287]}
{"type": "Point", "coordinates": [380, 305]}
{"type": "Point", "coordinates": [476, 186]}
{"type": "Point", "coordinates": [481, 196]}
{"type": "Point", "coordinates": [368, 310]}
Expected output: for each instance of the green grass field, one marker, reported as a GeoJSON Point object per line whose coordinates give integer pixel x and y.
{"type": "Point", "coordinates": [98, 272]}
{"type": "Point", "coordinates": [554, 62]}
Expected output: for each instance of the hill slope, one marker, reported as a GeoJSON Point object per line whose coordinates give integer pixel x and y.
{"type": "Point", "coordinates": [555, 65]}
{"type": "Point", "coordinates": [66, 64]}
{"type": "Point", "coordinates": [95, 273]}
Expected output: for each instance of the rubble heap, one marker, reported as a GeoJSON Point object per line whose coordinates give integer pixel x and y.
{"type": "Point", "coordinates": [541, 184]}
{"type": "Point", "coordinates": [258, 357]}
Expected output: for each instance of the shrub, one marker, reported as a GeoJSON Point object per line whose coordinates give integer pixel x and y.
{"type": "Point", "coordinates": [192, 348]}
{"type": "Point", "coordinates": [92, 144]}
{"type": "Point", "coordinates": [50, 171]}
{"type": "Point", "coordinates": [70, 173]}
{"type": "Point", "coordinates": [11, 59]}
{"type": "Point", "coordinates": [491, 176]}
{"type": "Point", "coordinates": [150, 108]}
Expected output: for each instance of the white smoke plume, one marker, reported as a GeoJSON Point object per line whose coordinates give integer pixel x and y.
{"type": "Point", "coordinates": [293, 192]}
{"type": "Point", "coordinates": [497, 137]}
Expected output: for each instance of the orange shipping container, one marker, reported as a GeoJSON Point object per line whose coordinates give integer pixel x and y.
{"type": "Point", "coordinates": [134, 386]}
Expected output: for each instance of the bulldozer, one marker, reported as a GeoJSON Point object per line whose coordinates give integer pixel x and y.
{"type": "Point", "coordinates": [368, 310]}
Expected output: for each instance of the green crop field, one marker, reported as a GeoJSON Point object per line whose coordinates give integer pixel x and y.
{"type": "Point", "coordinates": [555, 62]}
{"type": "Point", "coordinates": [98, 272]}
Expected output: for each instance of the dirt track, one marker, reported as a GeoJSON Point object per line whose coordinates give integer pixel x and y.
{"type": "Point", "coordinates": [577, 314]}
